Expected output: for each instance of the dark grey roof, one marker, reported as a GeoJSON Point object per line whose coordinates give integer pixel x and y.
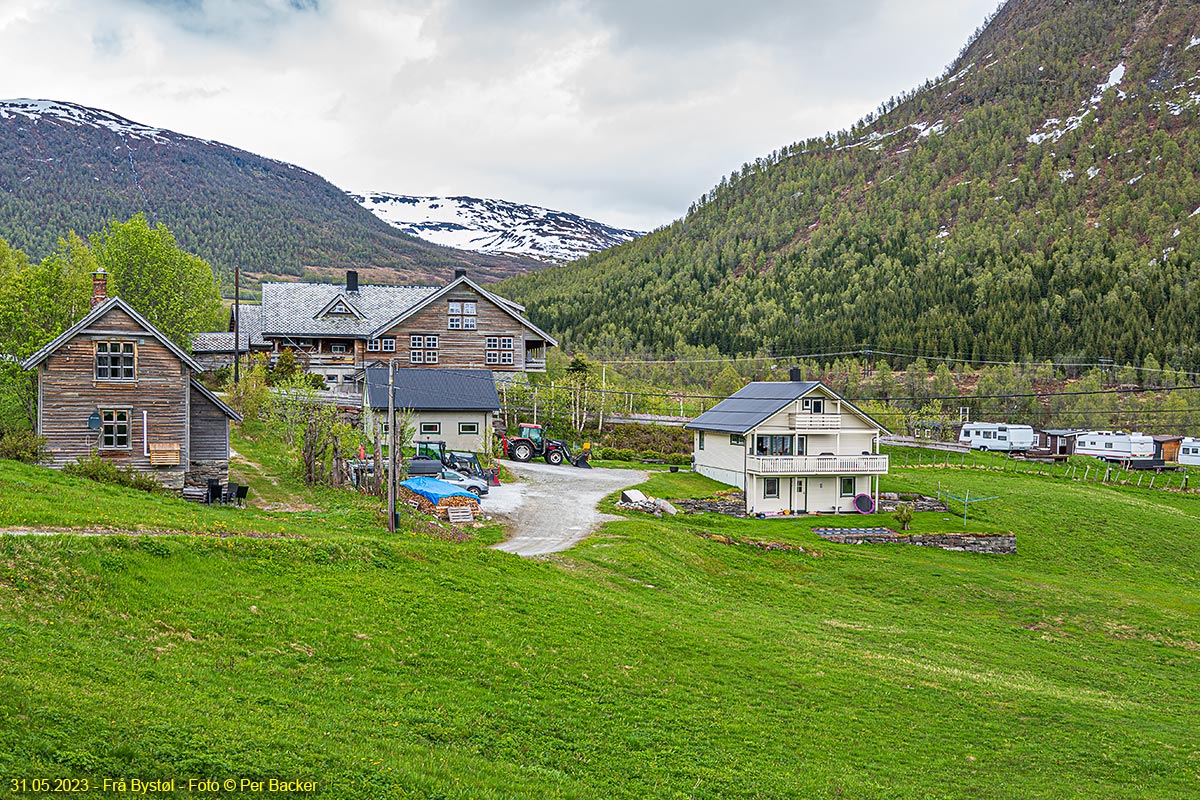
{"type": "Point", "coordinates": [97, 313]}
{"type": "Point", "coordinates": [250, 334]}
{"type": "Point", "coordinates": [423, 389]}
{"type": "Point", "coordinates": [1062, 431]}
{"type": "Point", "coordinates": [751, 405]}
{"type": "Point", "coordinates": [294, 309]}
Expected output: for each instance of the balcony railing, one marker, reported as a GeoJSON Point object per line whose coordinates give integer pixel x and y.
{"type": "Point", "coordinates": [815, 422]}
{"type": "Point", "coordinates": [817, 465]}
{"type": "Point", "coordinates": [535, 364]}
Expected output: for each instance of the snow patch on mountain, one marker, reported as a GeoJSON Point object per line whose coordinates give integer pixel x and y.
{"type": "Point", "coordinates": [1054, 129]}
{"type": "Point", "coordinates": [497, 227]}
{"type": "Point", "coordinates": [38, 110]}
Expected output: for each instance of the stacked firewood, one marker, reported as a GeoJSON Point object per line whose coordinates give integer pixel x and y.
{"type": "Point", "coordinates": [441, 509]}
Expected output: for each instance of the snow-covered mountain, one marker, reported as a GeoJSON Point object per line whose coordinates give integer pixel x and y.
{"type": "Point", "coordinates": [495, 226]}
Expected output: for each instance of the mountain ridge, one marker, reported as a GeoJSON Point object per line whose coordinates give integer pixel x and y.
{"type": "Point", "coordinates": [497, 227]}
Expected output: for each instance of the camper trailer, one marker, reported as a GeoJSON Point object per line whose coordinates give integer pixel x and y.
{"type": "Point", "coordinates": [1189, 451]}
{"type": "Point", "coordinates": [1115, 446]}
{"type": "Point", "coordinates": [994, 436]}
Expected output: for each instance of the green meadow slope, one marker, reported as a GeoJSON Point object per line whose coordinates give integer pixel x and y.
{"type": "Point", "coordinates": [647, 662]}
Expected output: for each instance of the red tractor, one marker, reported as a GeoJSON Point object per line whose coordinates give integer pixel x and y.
{"type": "Point", "coordinates": [530, 443]}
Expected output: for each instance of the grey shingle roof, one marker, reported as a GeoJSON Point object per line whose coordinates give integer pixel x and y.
{"type": "Point", "coordinates": [250, 333]}
{"type": "Point", "coordinates": [291, 309]}
{"type": "Point", "coordinates": [751, 405]}
{"type": "Point", "coordinates": [434, 389]}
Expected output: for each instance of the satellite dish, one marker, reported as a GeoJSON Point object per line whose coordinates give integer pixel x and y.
{"type": "Point", "coordinates": [864, 504]}
{"type": "Point", "coordinates": [94, 421]}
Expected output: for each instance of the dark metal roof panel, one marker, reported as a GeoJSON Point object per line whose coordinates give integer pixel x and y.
{"type": "Point", "coordinates": [751, 405]}
{"type": "Point", "coordinates": [423, 389]}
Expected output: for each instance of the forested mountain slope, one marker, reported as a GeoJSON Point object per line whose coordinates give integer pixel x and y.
{"type": "Point", "coordinates": [1041, 199]}
{"type": "Point", "coordinates": [67, 167]}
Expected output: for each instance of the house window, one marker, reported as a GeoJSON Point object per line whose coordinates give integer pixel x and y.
{"type": "Point", "coordinates": [114, 430]}
{"type": "Point", "coordinates": [737, 440]}
{"type": "Point", "coordinates": [813, 405]}
{"type": "Point", "coordinates": [468, 323]}
{"type": "Point", "coordinates": [492, 357]}
{"type": "Point", "coordinates": [467, 428]}
{"type": "Point", "coordinates": [770, 487]}
{"type": "Point", "coordinates": [416, 357]}
{"type": "Point", "coordinates": [431, 428]}
{"type": "Point", "coordinates": [431, 342]}
{"type": "Point", "coordinates": [847, 487]}
{"type": "Point", "coordinates": [383, 429]}
{"type": "Point", "coordinates": [302, 343]}
{"type": "Point", "coordinates": [699, 440]}
{"type": "Point", "coordinates": [389, 344]}
{"type": "Point", "coordinates": [339, 308]}
{"type": "Point", "coordinates": [506, 357]}
{"type": "Point", "coordinates": [468, 309]}
{"type": "Point", "coordinates": [337, 348]}
{"type": "Point", "coordinates": [331, 379]}
{"type": "Point", "coordinates": [373, 346]}
{"type": "Point", "coordinates": [773, 445]}
{"type": "Point", "coordinates": [455, 308]}
{"type": "Point", "coordinates": [416, 341]}
{"type": "Point", "coordinates": [492, 342]}
{"type": "Point", "coordinates": [115, 361]}
{"type": "Point", "coordinates": [431, 356]}
{"type": "Point", "coordinates": [454, 323]}
{"type": "Point", "coordinates": [506, 343]}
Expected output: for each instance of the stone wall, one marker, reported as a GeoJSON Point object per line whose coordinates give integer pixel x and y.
{"type": "Point", "coordinates": [966, 542]}
{"type": "Point", "coordinates": [201, 471]}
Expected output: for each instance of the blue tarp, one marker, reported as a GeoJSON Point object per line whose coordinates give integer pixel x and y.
{"type": "Point", "coordinates": [433, 490]}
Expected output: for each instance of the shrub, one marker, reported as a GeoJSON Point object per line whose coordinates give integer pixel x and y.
{"type": "Point", "coordinates": [97, 469]}
{"type": "Point", "coordinates": [24, 446]}
{"type": "Point", "coordinates": [904, 515]}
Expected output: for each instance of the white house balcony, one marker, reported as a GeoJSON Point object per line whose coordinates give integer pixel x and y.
{"type": "Point", "coordinates": [817, 465]}
{"type": "Point", "coordinates": [815, 422]}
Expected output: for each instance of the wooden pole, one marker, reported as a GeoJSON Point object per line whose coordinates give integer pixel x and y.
{"type": "Point", "coordinates": [237, 320]}
{"type": "Point", "coordinates": [603, 394]}
{"type": "Point", "coordinates": [391, 446]}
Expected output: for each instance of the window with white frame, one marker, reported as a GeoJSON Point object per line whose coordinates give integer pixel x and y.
{"type": "Point", "coordinates": [373, 346]}
{"type": "Point", "coordinates": [415, 341]}
{"type": "Point", "coordinates": [506, 357]}
{"type": "Point", "coordinates": [847, 487]}
{"type": "Point", "coordinates": [492, 357]}
{"type": "Point", "coordinates": [468, 323]}
{"type": "Point", "coordinates": [431, 356]}
{"type": "Point", "coordinates": [431, 342]}
{"type": "Point", "coordinates": [114, 429]}
{"type": "Point", "coordinates": [337, 348]}
{"type": "Point", "coordinates": [770, 487]}
{"type": "Point", "coordinates": [431, 428]}
{"type": "Point", "coordinates": [468, 309]}
{"type": "Point", "coordinates": [454, 320]}
{"type": "Point", "coordinates": [416, 357]}
{"type": "Point", "coordinates": [468, 428]}
{"type": "Point", "coordinates": [506, 343]}
{"type": "Point", "coordinates": [737, 440]}
{"type": "Point", "coordinates": [389, 344]}
{"type": "Point", "coordinates": [115, 361]}
{"type": "Point", "coordinates": [699, 440]}
{"type": "Point", "coordinates": [455, 308]}
{"type": "Point", "coordinates": [491, 343]}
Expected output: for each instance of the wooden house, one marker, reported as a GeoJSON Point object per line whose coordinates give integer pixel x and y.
{"type": "Point", "coordinates": [216, 349]}
{"type": "Point", "coordinates": [1057, 441]}
{"type": "Point", "coordinates": [794, 448]}
{"type": "Point", "coordinates": [337, 330]}
{"type": "Point", "coordinates": [115, 385]}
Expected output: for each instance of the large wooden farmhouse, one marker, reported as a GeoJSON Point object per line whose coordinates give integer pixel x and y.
{"type": "Point", "coordinates": [115, 385]}
{"type": "Point", "coordinates": [337, 330]}
{"type": "Point", "coordinates": [794, 447]}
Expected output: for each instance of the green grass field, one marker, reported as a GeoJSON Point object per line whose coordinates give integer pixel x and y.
{"type": "Point", "coordinates": [647, 662]}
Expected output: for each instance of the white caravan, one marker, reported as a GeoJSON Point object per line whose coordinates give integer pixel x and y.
{"type": "Point", "coordinates": [1189, 451]}
{"type": "Point", "coordinates": [994, 436]}
{"type": "Point", "coordinates": [1115, 445]}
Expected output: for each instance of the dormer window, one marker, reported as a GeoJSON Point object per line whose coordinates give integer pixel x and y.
{"type": "Point", "coordinates": [339, 308]}
{"type": "Point", "coordinates": [116, 361]}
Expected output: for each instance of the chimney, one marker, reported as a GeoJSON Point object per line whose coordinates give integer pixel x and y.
{"type": "Point", "coordinates": [99, 287]}
{"type": "Point", "coordinates": [795, 375]}
{"type": "Point", "coordinates": [352, 281]}
{"type": "Point", "coordinates": [460, 273]}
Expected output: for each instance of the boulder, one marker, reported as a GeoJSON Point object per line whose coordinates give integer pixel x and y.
{"type": "Point", "coordinates": [633, 496]}
{"type": "Point", "coordinates": [666, 508]}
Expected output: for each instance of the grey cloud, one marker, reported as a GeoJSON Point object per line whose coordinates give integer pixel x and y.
{"type": "Point", "coordinates": [235, 19]}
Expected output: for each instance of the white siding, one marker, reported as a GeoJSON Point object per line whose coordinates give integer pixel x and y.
{"type": "Point", "coordinates": [719, 459]}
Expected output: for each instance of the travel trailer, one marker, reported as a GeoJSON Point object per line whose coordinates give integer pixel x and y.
{"type": "Point", "coordinates": [1115, 446]}
{"type": "Point", "coordinates": [994, 436]}
{"type": "Point", "coordinates": [1189, 451]}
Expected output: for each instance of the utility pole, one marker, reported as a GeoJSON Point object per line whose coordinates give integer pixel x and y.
{"type": "Point", "coordinates": [603, 394]}
{"type": "Point", "coordinates": [237, 319]}
{"type": "Point", "coordinates": [391, 445]}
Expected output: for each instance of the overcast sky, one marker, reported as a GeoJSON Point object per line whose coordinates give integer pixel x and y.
{"type": "Point", "coordinates": [622, 110]}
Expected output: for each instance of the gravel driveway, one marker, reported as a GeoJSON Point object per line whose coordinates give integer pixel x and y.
{"type": "Point", "coordinates": [554, 508]}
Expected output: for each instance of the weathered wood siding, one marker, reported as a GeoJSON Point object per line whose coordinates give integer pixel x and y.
{"type": "Point", "coordinates": [463, 349]}
{"type": "Point", "coordinates": [210, 430]}
{"type": "Point", "coordinates": [69, 393]}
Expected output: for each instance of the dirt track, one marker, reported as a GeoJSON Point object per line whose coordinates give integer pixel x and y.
{"type": "Point", "coordinates": [554, 508]}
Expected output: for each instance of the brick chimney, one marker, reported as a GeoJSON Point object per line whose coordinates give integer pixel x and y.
{"type": "Point", "coordinates": [99, 287]}
{"type": "Point", "coordinates": [460, 273]}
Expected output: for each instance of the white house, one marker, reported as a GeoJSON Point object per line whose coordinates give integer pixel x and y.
{"type": "Point", "coordinates": [456, 406]}
{"type": "Point", "coordinates": [793, 447]}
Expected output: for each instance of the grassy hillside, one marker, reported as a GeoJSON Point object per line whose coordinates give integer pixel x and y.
{"type": "Point", "coordinates": [648, 662]}
{"type": "Point", "coordinates": [1036, 200]}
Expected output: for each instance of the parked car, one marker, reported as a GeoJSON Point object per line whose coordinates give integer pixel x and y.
{"type": "Point", "coordinates": [475, 486]}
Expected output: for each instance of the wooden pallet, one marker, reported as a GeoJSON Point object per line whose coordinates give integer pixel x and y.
{"type": "Point", "coordinates": [461, 514]}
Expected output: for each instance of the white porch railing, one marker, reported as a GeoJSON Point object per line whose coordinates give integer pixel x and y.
{"type": "Point", "coordinates": [817, 465]}
{"type": "Point", "coordinates": [815, 422]}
